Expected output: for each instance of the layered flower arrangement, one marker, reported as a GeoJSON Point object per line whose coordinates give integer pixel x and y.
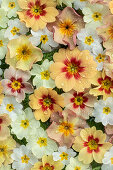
{"type": "Point", "coordinates": [56, 84]}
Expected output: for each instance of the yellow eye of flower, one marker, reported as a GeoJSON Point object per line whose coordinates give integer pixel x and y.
{"type": "Point", "coordinates": [110, 31]}
{"type": "Point", "coordinates": [89, 40]}
{"type": "Point", "coordinates": [72, 68]}
{"type": "Point", "coordinates": [106, 84]}
{"type": "Point", "coordinates": [23, 52]}
{"type": "Point", "coordinates": [77, 168]}
{"type": "Point", "coordinates": [15, 30]}
{"type": "Point", "coordinates": [47, 102]}
{"type": "Point", "coordinates": [42, 142]}
{"type": "Point", "coordinates": [106, 110]}
{"type": "Point", "coordinates": [44, 39]}
{"type": "Point", "coordinates": [10, 107]}
{"type": "Point", "coordinates": [3, 149]}
{"type": "Point", "coordinates": [25, 159]}
{"type": "Point", "coordinates": [66, 128]}
{"type": "Point", "coordinates": [112, 160]}
{"type": "Point", "coordinates": [24, 123]}
{"type": "Point", "coordinates": [67, 28]}
{"type": "Point", "coordinates": [97, 16]}
{"type": "Point", "coordinates": [45, 75]}
{"type": "Point", "coordinates": [47, 166]}
{"type": "Point", "coordinates": [78, 100]}
{"type": "Point", "coordinates": [1, 43]}
{"type": "Point", "coordinates": [64, 156]}
{"type": "Point", "coordinates": [93, 145]}
{"type": "Point", "coordinates": [16, 85]}
{"type": "Point", "coordinates": [11, 5]}
{"type": "Point", "coordinates": [36, 10]}
{"type": "Point", "coordinates": [100, 58]}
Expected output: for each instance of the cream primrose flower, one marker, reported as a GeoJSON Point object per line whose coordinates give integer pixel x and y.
{"type": "Point", "coordinates": [40, 143]}
{"type": "Point", "coordinates": [15, 28]}
{"type": "Point", "coordinates": [3, 44]}
{"type": "Point", "coordinates": [23, 158]}
{"type": "Point", "coordinates": [3, 167]}
{"type": "Point", "coordinates": [108, 160]}
{"type": "Point", "coordinates": [103, 111]}
{"type": "Point", "coordinates": [45, 37]}
{"type": "Point", "coordinates": [11, 7]}
{"type": "Point", "coordinates": [42, 75]}
{"type": "Point", "coordinates": [80, 4]}
{"type": "Point", "coordinates": [64, 155]}
{"type": "Point", "coordinates": [3, 18]}
{"type": "Point", "coordinates": [75, 164]}
{"type": "Point", "coordinates": [11, 107]}
{"type": "Point", "coordinates": [25, 124]}
{"type": "Point", "coordinates": [88, 39]}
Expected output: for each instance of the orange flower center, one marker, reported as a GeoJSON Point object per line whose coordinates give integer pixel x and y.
{"type": "Point", "coordinates": [77, 168]}
{"type": "Point", "coordinates": [25, 159]}
{"type": "Point", "coordinates": [66, 128]}
{"type": "Point", "coordinates": [100, 58]}
{"type": "Point", "coordinates": [23, 53]}
{"type": "Point", "coordinates": [47, 167]}
{"type": "Point", "coordinates": [110, 31]}
{"type": "Point", "coordinates": [64, 156]}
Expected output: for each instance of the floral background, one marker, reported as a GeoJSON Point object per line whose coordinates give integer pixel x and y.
{"type": "Point", "coordinates": [56, 84]}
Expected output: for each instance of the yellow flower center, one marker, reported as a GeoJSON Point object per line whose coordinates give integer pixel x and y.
{"type": "Point", "coordinates": [23, 53]}
{"type": "Point", "coordinates": [1, 43]}
{"type": "Point", "coordinates": [64, 156]}
{"type": "Point", "coordinates": [83, 0]}
{"type": "Point", "coordinates": [78, 100]}
{"type": "Point", "coordinates": [106, 110]}
{"type": "Point", "coordinates": [15, 30]}
{"type": "Point", "coordinates": [77, 168]}
{"type": "Point", "coordinates": [100, 58]}
{"type": "Point", "coordinates": [10, 107]}
{"type": "Point", "coordinates": [45, 75]}
{"type": "Point", "coordinates": [42, 141]}
{"type": "Point", "coordinates": [11, 5]}
{"type": "Point", "coordinates": [47, 102]}
{"type": "Point", "coordinates": [106, 84]}
{"type": "Point", "coordinates": [66, 128]}
{"type": "Point", "coordinates": [97, 16]}
{"type": "Point", "coordinates": [72, 68]}
{"type": "Point", "coordinates": [16, 85]}
{"type": "Point", "coordinates": [67, 28]}
{"type": "Point", "coordinates": [89, 40]}
{"type": "Point", "coordinates": [3, 150]}
{"type": "Point", "coordinates": [44, 39]}
{"type": "Point", "coordinates": [110, 31]}
{"type": "Point", "coordinates": [25, 159]}
{"type": "Point", "coordinates": [112, 160]}
{"type": "Point", "coordinates": [36, 10]}
{"type": "Point", "coordinates": [93, 145]}
{"type": "Point", "coordinates": [47, 166]}
{"type": "Point", "coordinates": [24, 123]}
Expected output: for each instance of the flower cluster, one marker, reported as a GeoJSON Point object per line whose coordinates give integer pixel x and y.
{"type": "Point", "coordinates": [56, 84]}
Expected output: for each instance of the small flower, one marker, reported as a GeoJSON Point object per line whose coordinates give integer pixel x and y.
{"type": "Point", "coordinates": [65, 126]}
{"type": "Point", "coordinates": [41, 144]}
{"type": "Point", "coordinates": [81, 103]}
{"type": "Point", "coordinates": [6, 149]}
{"type": "Point", "coordinates": [91, 145]}
{"type": "Point", "coordinates": [36, 14]}
{"type": "Point", "coordinates": [11, 7]}
{"type": "Point", "coordinates": [64, 155]}
{"type": "Point", "coordinates": [23, 158]}
{"type": "Point", "coordinates": [45, 37]}
{"type": "Point", "coordinates": [22, 54]}
{"type": "Point", "coordinates": [3, 19]}
{"type": "Point", "coordinates": [15, 83]}
{"type": "Point", "coordinates": [11, 107]}
{"type": "Point", "coordinates": [4, 123]}
{"type": "Point", "coordinates": [45, 101]}
{"type": "Point", "coordinates": [75, 164]}
{"type": "Point", "coordinates": [3, 44]}
{"type": "Point", "coordinates": [71, 68]}
{"type": "Point", "coordinates": [15, 28]}
{"type": "Point", "coordinates": [103, 111]}
{"type": "Point", "coordinates": [80, 4]}
{"type": "Point", "coordinates": [104, 85]}
{"type": "Point", "coordinates": [48, 163]}
{"type": "Point", "coordinates": [24, 125]}
{"type": "Point", "coordinates": [108, 160]}
{"type": "Point", "coordinates": [88, 39]}
{"type": "Point", "coordinates": [42, 75]}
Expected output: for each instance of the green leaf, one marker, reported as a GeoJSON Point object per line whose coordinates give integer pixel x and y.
{"type": "Point", "coordinates": [96, 166]}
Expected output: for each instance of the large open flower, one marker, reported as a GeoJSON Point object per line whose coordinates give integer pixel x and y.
{"type": "Point", "coordinates": [45, 101]}
{"type": "Point", "coordinates": [22, 54]}
{"type": "Point", "coordinates": [72, 68]}
{"type": "Point", "coordinates": [91, 145]}
{"type": "Point", "coordinates": [37, 13]}
{"type": "Point", "coordinates": [66, 27]}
